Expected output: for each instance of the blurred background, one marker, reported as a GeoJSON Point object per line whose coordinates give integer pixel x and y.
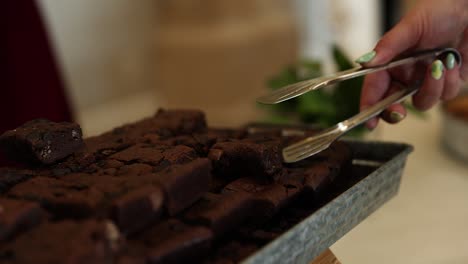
{"type": "Point", "coordinates": [216, 55]}
{"type": "Point", "coordinates": [109, 62]}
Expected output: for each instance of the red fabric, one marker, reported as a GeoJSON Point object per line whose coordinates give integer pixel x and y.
{"type": "Point", "coordinates": [30, 83]}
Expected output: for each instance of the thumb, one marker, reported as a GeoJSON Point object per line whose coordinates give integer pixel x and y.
{"type": "Point", "coordinates": [401, 38]}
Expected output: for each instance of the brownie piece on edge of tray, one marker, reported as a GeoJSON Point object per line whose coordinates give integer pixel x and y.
{"type": "Point", "coordinates": [221, 212]}
{"type": "Point", "coordinates": [184, 184]}
{"type": "Point", "coordinates": [232, 252]}
{"type": "Point", "coordinates": [269, 197]}
{"type": "Point", "coordinates": [260, 158]}
{"type": "Point", "coordinates": [42, 141]}
{"type": "Point", "coordinates": [137, 209]}
{"type": "Point", "coordinates": [314, 179]}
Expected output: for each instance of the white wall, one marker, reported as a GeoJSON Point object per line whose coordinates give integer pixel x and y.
{"type": "Point", "coordinates": [103, 46]}
{"type": "Point", "coordinates": [353, 24]}
{"type": "Point", "coordinates": [356, 24]}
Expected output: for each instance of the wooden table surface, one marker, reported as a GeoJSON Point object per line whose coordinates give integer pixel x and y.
{"type": "Point", "coordinates": [327, 257]}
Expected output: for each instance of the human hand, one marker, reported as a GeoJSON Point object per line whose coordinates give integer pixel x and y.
{"type": "Point", "coordinates": [431, 24]}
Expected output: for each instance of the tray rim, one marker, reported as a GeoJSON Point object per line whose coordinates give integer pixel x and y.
{"type": "Point", "coordinates": [402, 155]}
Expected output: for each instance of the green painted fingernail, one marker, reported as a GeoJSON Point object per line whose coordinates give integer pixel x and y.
{"type": "Point", "coordinates": [437, 69]}
{"type": "Point", "coordinates": [366, 57]}
{"type": "Point", "coordinates": [396, 116]}
{"type": "Point", "coordinates": [450, 61]}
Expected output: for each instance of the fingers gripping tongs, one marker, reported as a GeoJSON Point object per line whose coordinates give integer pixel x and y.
{"type": "Point", "coordinates": [321, 141]}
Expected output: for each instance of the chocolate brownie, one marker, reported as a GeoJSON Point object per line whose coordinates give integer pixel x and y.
{"type": "Point", "coordinates": [319, 176]}
{"type": "Point", "coordinates": [134, 170]}
{"type": "Point", "coordinates": [232, 252]}
{"type": "Point", "coordinates": [77, 162]}
{"type": "Point", "coordinates": [128, 258]}
{"type": "Point", "coordinates": [18, 216]}
{"type": "Point", "coordinates": [105, 167]}
{"type": "Point", "coordinates": [179, 122]}
{"type": "Point", "coordinates": [202, 142]}
{"type": "Point", "coordinates": [9, 177]}
{"type": "Point", "coordinates": [184, 184]}
{"type": "Point", "coordinates": [283, 221]}
{"type": "Point", "coordinates": [221, 212]}
{"type": "Point", "coordinates": [141, 154]}
{"type": "Point", "coordinates": [42, 141]}
{"type": "Point", "coordinates": [68, 241]}
{"type": "Point", "coordinates": [225, 134]}
{"type": "Point", "coordinates": [172, 242]}
{"type": "Point", "coordinates": [258, 234]}
{"type": "Point", "coordinates": [107, 143]}
{"type": "Point", "coordinates": [60, 197]}
{"type": "Point", "coordinates": [85, 195]}
{"type": "Point", "coordinates": [153, 179]}
{"type": "Point", "coordinates": [155, 129]}
{"type": "Point", "coordinates": [178, 155]}
{"type": "Point", "coordinates": [163, 125]}
{"type": "Point", "coordinates": [155, 155]}
{"type": "Point", "coordinates": [260, 158]}
{"type": "Point", "coordinates": [81, 195]}
{"type": "Point", "coordinates": [341, 153]}
{"type": "Point", "coordinates": [110, 191]}
{"type": "Point", "coordinates": [338, 155]}
{"type": "Point", "coordinates": [270, 197]}
{"type": "Point", "coordinates": [138, 209]}
{"type": "Point", "coordinates": [320, 171]}
{"type": "Point", "coordinates": [111, 164]}
{"type": "Point", "coordinates": [314, 179]}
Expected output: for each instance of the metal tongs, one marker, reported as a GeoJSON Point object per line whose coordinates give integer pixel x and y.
{"type": "Point", "coordinates": [321, 141]}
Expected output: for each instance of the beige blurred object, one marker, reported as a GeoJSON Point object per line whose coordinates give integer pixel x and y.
{"type": "Point", "coordinates": [455, 127]}
{"type": "Point", "coordinates": [217, 56]}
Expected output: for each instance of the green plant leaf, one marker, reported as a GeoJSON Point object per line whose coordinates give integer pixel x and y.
{"type": "Point", "coordinates": [278, 120]}
{"type": "Point", "coordinates": [346, 94]}
{"type": "Point", "coordinates": [308, 69]}
{"type": "Point", "coordinates": [341, 59]}
{"type": "Point", "coordinates": [285, 77]}
{"type": "Point", "coordinates": [316, 102]}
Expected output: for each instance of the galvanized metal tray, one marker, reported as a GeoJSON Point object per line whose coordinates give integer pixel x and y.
{"type": "Point", "coordinates": [306, 240]}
